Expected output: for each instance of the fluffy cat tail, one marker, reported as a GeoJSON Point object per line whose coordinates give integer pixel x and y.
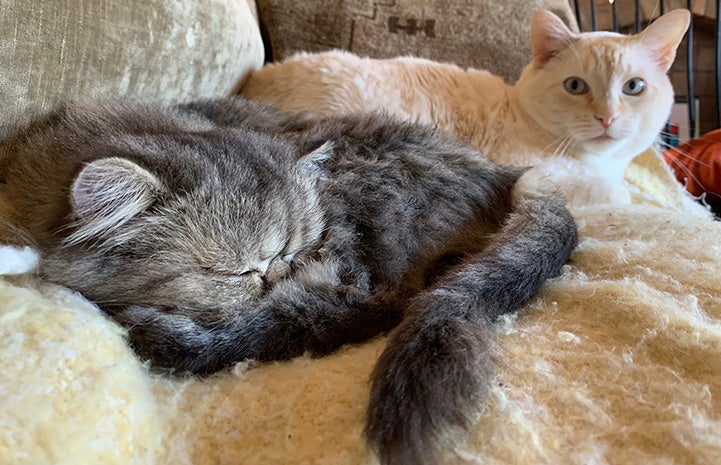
{"type": "Point", "coordinates": [437, 366]}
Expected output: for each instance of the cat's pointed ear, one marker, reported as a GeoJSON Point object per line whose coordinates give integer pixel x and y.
{"type": "Point", "coordinates": [311, 165]}
{"type": "Point", "coordinates": [313, 162]}
{"type": "Point", "coordinates": [549, 35]}
{"type": "Point", "coordinates": [663, 36]}
{"type": "Point", "coordinates": [107, 193]}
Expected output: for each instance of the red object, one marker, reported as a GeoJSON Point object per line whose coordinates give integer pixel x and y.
{"type": "Point", "coordinates": [697, 164]}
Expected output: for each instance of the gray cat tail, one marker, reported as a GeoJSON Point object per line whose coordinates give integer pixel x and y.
{"type": "Point", "coordinates": [437, 367]}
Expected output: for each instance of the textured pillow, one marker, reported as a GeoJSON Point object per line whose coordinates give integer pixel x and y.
{"type": "Point", "coordinates": [486, 34]}
{"type": "Point", "coordinates": [151, 50]}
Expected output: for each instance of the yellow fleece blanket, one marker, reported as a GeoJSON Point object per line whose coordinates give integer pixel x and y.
{"type": "Point", "coordinates": [650, 176]}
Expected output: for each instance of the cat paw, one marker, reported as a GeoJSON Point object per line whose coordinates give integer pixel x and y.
{"type": "Point", "coordinates": [587, 191]}
{"type": "Point", "coordinates": [168, 341]}
{"type": "Point", "coordinates": [534, 180]}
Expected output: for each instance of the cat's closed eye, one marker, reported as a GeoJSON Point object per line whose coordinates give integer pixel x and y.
{"type": "Point", "coordinates": [229, 273]}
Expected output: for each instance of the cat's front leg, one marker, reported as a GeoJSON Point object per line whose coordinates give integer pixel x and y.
{"type": "Point", "coordinates": [312, 312]}
{"type": "Point", "coordinates": [326, 306]}
{"type": "Point", "coordinates": [594, 190]}
{"type": "Point", "coordinates": [181, 344]}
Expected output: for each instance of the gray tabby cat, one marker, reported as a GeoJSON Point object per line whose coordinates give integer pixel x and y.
{"type": "Point", "coordinates": [221, 231]}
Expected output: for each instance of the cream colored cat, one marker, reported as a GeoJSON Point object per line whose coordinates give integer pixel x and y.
{"type": "Point", "coordinates": [581, 110]}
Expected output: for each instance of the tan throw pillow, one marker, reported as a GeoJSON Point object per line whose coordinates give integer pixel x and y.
{"type": "Point", "coordinates": [486, 34]}
{"type": "Point", "coordinates": [150, 50]}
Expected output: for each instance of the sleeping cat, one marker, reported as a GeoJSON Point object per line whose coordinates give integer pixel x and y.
{"type": "Point", "coordinates": [220, 231]}
{"type": "Point", "coordinates": [581, 110]}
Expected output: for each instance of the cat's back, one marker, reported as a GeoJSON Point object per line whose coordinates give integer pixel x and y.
{"type": "Point", "coordinates": [55, 145]}
{"type": "Point", "coordinates": [339, 82]}
{"type": "Point", "coordinates": [38, 161]}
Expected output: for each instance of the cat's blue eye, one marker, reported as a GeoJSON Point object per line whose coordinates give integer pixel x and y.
{"type": "Point", "coordinates": [634, 86]}
{"type": "Point", "coordinates": [575, 85]}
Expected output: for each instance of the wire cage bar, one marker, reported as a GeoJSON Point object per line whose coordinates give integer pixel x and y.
{"type": "Point", "coordinates": [689, 75]}
{"type": "Point", "coordinates": [614, 14]}
{"type": "Point", "coordinates": [718, 65]}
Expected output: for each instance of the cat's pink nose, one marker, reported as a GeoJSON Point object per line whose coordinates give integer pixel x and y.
{"type": "Point", "coordinates": [606, 120]}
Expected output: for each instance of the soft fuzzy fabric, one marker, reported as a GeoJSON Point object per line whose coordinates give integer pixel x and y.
{"type": "Point", "coordinates": [652, 182]}
{"type": "Point", "coordinates": [617, 362]}
{"type": "Point", "coordinates": [482, 34]}
{"type": "Point", "coordinates": [63, 50]}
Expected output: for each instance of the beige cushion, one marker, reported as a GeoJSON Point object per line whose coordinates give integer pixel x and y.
{"type": "Point", "coordinates": [151, 50]}
{"type": "Point", "coordinates": [486, 34]}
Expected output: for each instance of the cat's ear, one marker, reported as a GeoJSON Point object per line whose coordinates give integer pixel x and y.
{"type": "Point", "coordinates": [549, 35]}
{"type": "Point", "coordinates": [107, 193]}
{"type": "Point", "coordinates": [663, 36]}
{"type": "Point", "coordinates": [312, 163]}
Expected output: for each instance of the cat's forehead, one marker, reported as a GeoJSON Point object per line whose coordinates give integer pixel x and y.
{"type": "Point", "coordinates": [606, 56]}
{"type": "Point", "coordinates": [245, 225]}
{"type": "Point", "coordinates": [596, 36]}
{"type": "Point", "coordinates": [604, 46]}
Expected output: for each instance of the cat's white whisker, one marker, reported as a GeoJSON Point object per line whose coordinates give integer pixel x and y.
{"type": "Point", "coordinates": [559, 145]}
{"type": "Point", "coordinates": [700, 138]}
{"type": "Point", "coordinates": [566, 147]}
{"type": "Point", "coordinates": [562, 147]}
{"type": "Point", "coordinates": [675, 155]}
{"type": "Point", "coordinates": [675, 152]}
{"type": "Point", "coordinates": [689, 174]}
{"type": "Point", "coordinates": [553, 143]}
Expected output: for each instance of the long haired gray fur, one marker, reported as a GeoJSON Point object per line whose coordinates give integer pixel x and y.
{"type": "Point", "coordinates": [221, 231]}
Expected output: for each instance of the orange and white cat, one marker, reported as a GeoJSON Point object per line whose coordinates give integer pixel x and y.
{"type": "Point", "coordinates": [583, 108]}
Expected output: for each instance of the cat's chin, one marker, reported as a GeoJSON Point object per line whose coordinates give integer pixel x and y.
{"type": "Point", "coordinates": [603, 139]}
{"type": "Point", "coordinates": [602, 143]}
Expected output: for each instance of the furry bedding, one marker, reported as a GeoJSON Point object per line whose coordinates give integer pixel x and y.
{"type": "Point", "coordinates": [618, 361]}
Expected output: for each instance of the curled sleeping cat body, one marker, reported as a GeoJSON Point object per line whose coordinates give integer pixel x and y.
{"type": "Point", "coordinates": [581, 110]}
{"type": "Point", "coordinates": [222, 231]}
